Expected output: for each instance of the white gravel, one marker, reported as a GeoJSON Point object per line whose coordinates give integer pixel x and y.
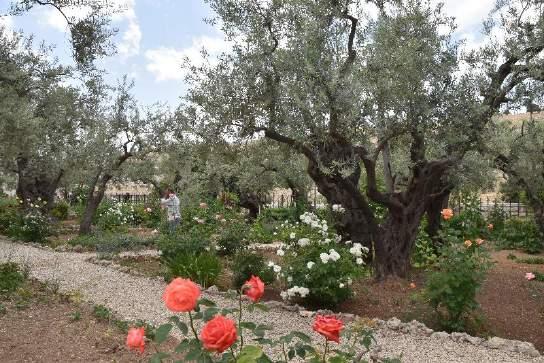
{"type": "Point", "coordinates": [136, 297]}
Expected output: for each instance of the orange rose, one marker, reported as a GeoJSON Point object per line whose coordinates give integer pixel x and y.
{"type": "Point", "coordinates": [181, 295]}
{"type": "Point", "coordinates": [490, 226]}
{"type": "Point", "coordinates": [468, 243]}
{"type": "Point", "coordinates": [135, 339]}
{"type": "Point", "coordinates": [254, 288]}
{"type": "Point", "coordinates": [412, 285]}
{"type": "Point", "coordinates": [479, 241]}
{"type": "Point", "coordinates": [328, 326]}
{"type": "Point", "coordinates": [447, 213]}
{"type": "Point", "coordinates": [218, 334]}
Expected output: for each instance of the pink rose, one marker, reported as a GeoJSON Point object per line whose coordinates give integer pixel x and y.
{"type": "Point", "coordinates": [447, 213]}
{"type": "Point", "coordinates": [218, 334]}
{"type": "Point", "coordinates": [530, 276]}
{"type": "Point", "coordinates": [135, 339]}
{"type": "Point", "coordinates": [328, 326]}
{"type": "Point", "coordinates": [254, 288]}
{"type": "Point", "coordinates": [181, 295]}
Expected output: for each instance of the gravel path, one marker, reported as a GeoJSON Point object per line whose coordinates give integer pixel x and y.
{"type": "Point", "coordinates": [135, 297]}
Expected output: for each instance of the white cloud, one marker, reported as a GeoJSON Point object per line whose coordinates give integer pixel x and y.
{"type": "Point", "coordinates": [165, 63]}
{"type": "Point", "coordinates": [130, 44]}
{"type": "Point", "coordinates": [468, 13]}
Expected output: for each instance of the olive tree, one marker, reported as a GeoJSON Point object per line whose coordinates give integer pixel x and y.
{"type": "Point", "coordinates": [39, 118]}
{"type": "Point", "coordinates": [304, 73]}
{"type": "Point", "coordinates": [519, 154]}
{"type": "Point", "coordinates": [119, 130]}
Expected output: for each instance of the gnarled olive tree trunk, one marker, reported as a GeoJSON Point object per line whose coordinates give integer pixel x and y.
{"type": "Point", "coordinates": [32, 184]}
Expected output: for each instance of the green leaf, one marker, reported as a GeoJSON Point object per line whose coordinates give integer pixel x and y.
{"type": "Point", "coordinates": [302, 336]}
{"type": "Point", "coordinates": [183, 346]}
{"type": "Point", "coordinates": [181, 325]}
{"type": "Point", "coordinates": [261, 307]}
{"type": "Point", "coordinates": [206, 302]}
{"type": "Point", "coordinates": [162, 333]}
{"type": "Point", "coordinates": [248, 325]}
{"type": "Point", "coordinates": [249, 354]}
{"type": "Point", "coordinates": [291, 353]}
{"type": "Point", "coordinates": [209, 313]}
{"type": "Point", "coordinates": [158, 357]}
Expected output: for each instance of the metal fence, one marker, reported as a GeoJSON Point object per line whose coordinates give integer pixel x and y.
{"type": "Point", "coordinates": [509, 208]}
{"type": "Point", "coordinates": [129, 198]}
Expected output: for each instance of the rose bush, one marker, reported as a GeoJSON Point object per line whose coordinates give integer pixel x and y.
{"type": "Point", "coordinates": [224, 336]}
{"type": "Point", "coordinates": [317, 266]}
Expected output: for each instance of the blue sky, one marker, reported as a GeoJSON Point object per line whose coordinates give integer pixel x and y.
{"type": "Point", "coordinates": [154, 35]}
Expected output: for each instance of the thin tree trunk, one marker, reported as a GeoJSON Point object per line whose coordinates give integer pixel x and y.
{"type": "Point", "coordinates": [93, 201]}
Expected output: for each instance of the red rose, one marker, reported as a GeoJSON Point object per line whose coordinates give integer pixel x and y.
{"type": "Point", "coordinates": [181, 295]}
{"type": "Point", "coordinates": [135, 339]}
{"type": "Point", "coordinates": [254, 288]}
{"type": "Point", "coordinates": [329, 327]}
{"type": "Point", "coordinates": [218, 334]}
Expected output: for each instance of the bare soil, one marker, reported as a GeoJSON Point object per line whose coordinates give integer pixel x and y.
{"type": "Point", "coordinates": [511, 306]}
{"type": "Point", "coordinates": [39, 325]}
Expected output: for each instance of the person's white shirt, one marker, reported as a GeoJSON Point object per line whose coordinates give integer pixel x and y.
{"type": "Point", "coordinates": [172, 206]}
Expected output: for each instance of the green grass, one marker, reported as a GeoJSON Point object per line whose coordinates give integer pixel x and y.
{"type": "Point", "coordinates": [532, 260]}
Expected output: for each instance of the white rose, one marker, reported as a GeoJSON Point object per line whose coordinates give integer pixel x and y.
{"type": "Point", "coordinates": [292, 235]}
{"type": "Point", "coordinates": [359, 261]}
{"type": "Point", "coordinates": [277, 268]}
{"type": "Point", "coordinates": [310, 265]}
{"type": "Point", "coordinates": [280, 252]}
{"type": "Point", "coordinates": [324, 257]}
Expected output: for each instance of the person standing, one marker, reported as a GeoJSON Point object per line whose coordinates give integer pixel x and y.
{"type": "Point", "coordinates": [171, 203]}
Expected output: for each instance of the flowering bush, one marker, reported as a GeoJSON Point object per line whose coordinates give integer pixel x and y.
{"type": "Point", "coordinates": [147, 215]}
{"type": "Point", "coordinates": [32, 224]}
{"type": "Point", "coordinates": [316, 267]}
{"type": "Point", "coordinates": [225, 336]}
{"type": "Point", "coordinates": [111, 215]}
{"type": "Point", "coordinates": [460, 270]}
{"type": "Point", "coordinates": [247, 263]}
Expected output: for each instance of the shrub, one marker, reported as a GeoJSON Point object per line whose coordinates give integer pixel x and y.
{"type": "Point", "coordinates": [316, 268]}
{"type": "Point", "coordinates": [179, 242]}
{"type": "Point", "coordinates": [280, 214]}
{"type": "Point", "coordinates": [203, 268]}
{"type": "Point", "coordinates": [206, 220]}
{"type": "Point", "coordinates": [60, 210]}
{"type": "Point", "coordinates": [248, 263]}
{"type": "Point", "coordinates": [112, 215]}
{"type": "Point", "coordinates": [149, 216]}
{"type": "Point", "coordinates": [108, 244]}
{"type": "Point", "coordinates": [520, 234]}
{"type": "Point", "coordinates": [232, 239]}
{"type": "Point", "coordinates": [9, 214]}
{"type": "Point", "coordinates": [32, 226]}
{"type": "Point", "coordinates": [189, 256]}
{"type": "Point", "coordinates": [497, 217]}
{"type": "Point", "coordinates": [424, 254]}
{"type": "Point", "coordinates": [469, 223]}
{"type": "Point", "coordinates": [11, 277]}
{"type": "Point", "coordinates": [451, 289]}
